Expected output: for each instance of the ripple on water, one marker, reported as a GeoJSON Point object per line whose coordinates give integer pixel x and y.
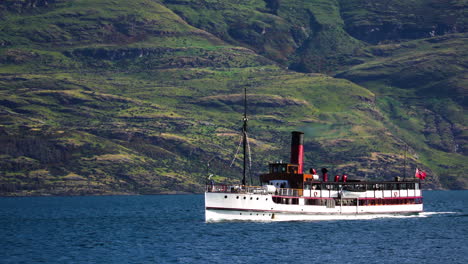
{"type": "Point", "coordinates": [171, 229]}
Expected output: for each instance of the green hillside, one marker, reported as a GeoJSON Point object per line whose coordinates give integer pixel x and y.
{"type": "Point", "coordinates": [115, 97]}
{"type": "Point", "coordinates": [421, 85]}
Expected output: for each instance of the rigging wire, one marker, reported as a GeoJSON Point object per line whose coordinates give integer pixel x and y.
{"type": "Point", "coordinates": [250, 158]}
{"type": "Point", "coordinates": [248, 149]}
{"type": "Point", "coordinates": [249, 155]}
{"type": "Point", "coordinates": [237, 152]}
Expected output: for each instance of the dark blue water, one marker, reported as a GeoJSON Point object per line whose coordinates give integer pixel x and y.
{"type": "Point", "coordinates": [171, 229]}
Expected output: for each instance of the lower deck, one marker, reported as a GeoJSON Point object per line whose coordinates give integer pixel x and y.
{"type": "Point", "coordinates": [216, 215]}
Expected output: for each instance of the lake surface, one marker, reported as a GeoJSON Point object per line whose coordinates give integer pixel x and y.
{"type": "Point", "coordinates": [171, 229]}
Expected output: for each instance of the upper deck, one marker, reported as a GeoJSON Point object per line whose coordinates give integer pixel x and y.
{"type": "Point", "coordinates": [324, 189]}
{"type": "Point", "coordinates": [362, 186]}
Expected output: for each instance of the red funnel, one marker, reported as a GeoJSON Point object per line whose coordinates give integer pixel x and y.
{"type": "Point", "coordinates": [297, 150]}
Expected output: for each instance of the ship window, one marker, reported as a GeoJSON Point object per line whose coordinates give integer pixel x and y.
{"type": "Point", "coordinates": [225, 196]}
{"type": "Point", "coordinates": [312, 202]}
{"type": "Point", "coordinates": [245, 197]}
{"type": "Point", "coordinates": [237, 197]}
{"type": "Point", "coordinates": [257, 198]}
{"type": "Point", "coordinates": [251, 198]}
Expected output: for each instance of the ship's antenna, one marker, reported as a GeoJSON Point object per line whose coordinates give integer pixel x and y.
{"type": "Point", "coordinates": [244, 135]}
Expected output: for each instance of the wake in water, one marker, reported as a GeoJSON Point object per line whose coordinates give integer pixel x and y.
{"type": "Point", "coordinates": [418, 215]}
{"type": "Point", "coordinates": [427, 214]}
{"type": "Point", "coordinates": [423, 215]}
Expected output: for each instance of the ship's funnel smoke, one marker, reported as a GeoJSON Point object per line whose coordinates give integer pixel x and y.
{"type": "Point", "coordinates": [297, 150]}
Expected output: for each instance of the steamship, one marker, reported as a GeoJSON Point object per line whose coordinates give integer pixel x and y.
{"type": "Point", "coordinates": [288, 194]}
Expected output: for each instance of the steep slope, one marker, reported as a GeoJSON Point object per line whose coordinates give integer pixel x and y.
{"type": "Point", "coordinates": [321, 35]}
{"type": "Point", "coordinates": [417, 69]}
{"type": "Point", "coordinates": [389, 21]}
{"type": "Point", "coordinates": [308, 36]}
{"type": "Point", "coordinates": [118, 96]}
{"type": "Point", "coordinates": [373, 43]}
{"type": "Point", "coordinates": [422, 87]}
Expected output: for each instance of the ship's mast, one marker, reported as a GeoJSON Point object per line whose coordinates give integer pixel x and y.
{"type": "Point", "coordinates": [244, 137]}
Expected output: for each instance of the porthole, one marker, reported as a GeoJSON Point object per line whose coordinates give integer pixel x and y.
{"type": "Point", "coordinates": [245, 197]}
{"type": "Point", "coordinates": [257, 198]}
{"type": "Point", "coordinates": [237, 197]}
{"type": "Point", "coordinates": [251, 198]}
{"type": "Point", "coordinates": [240, 213]}
{"type": "Point", "coordinates": [266, 199]}
{"type": "Point", "coordinates": [225, 196]}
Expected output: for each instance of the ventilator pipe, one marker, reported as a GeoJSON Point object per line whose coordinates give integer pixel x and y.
{"type": "Point", "coordinates": [344, 178]}
{"type": "Point", "coordinates": [325, 174]}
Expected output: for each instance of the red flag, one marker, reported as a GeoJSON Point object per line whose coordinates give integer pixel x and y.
{"type": "Point", "coordinates": [420, 174]}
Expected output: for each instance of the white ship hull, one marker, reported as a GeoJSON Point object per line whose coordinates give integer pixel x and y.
{"type": "Point", "coordinates": [225, 206]}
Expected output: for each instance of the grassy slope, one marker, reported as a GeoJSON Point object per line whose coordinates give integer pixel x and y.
{"type": "Point", "coordinates": [421, 86]}
{"type": "Point", "coordinates": [97, 99]}
{"type": "Point", "coordinates": [57, 99]}
{"type": "Point", "coordinates": [416, 66]}
{"type": "Point", "coordinates": [426, 76]}
{"type": "Point", "coordinates": [386, 21]}
{"type": "Point", "coordinates": [306, 35]}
